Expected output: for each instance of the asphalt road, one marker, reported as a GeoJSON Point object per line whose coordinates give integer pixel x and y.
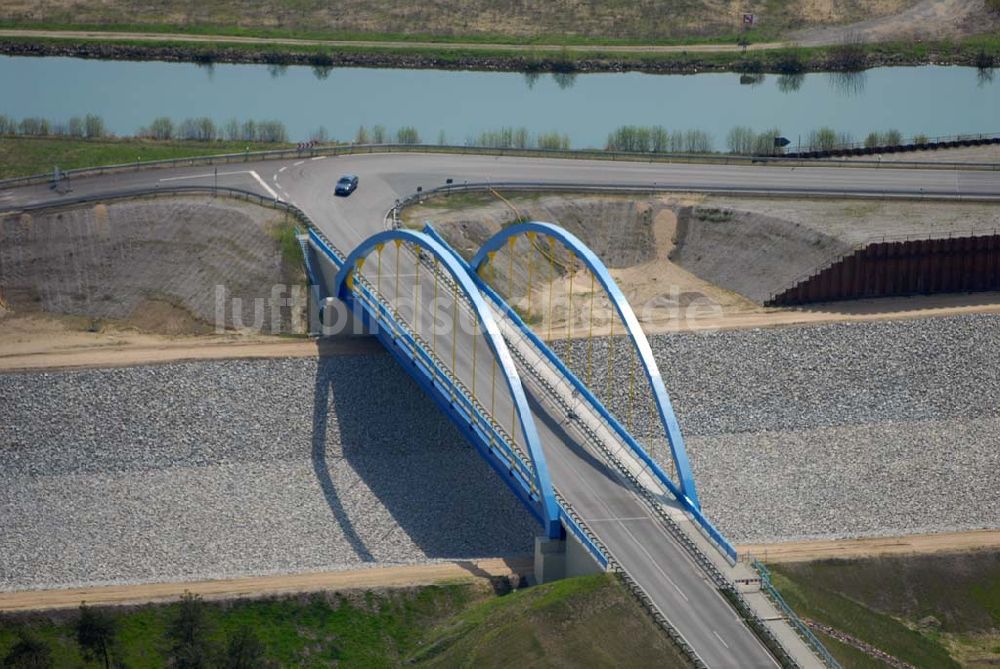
{"type": "Point", "coordinates": [598, 494]}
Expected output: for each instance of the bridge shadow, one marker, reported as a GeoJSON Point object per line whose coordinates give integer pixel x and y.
{"type": "Point", "coordinates": [397, 475]}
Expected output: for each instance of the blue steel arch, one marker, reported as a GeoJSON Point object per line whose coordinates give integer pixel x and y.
{"type": "Point", "coordinates": [634, 330]}
{"type": "Point", "coordinates": [543, 482]}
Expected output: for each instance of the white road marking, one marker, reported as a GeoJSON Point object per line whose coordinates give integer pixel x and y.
{"type": "Point", "coordinates": [318, 158]}
{"type": "Point", "coordinates": [605, 520]}
{"type": "Point", "coordinates": [283, 169]}
{"type": "Point", "coordinates": [205, 176]}
{"type": "Point", "coordinates": [274, 178]}
{"type": "Point", "coordinates": [720, 639]}
{"type": "Point", "coordinates": [298, 163]}
{"type": "Point", "coordinates": [264, 185]}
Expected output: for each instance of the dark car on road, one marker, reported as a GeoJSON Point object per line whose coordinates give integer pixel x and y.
{"type": "Point", "coordinates": [346, 185]}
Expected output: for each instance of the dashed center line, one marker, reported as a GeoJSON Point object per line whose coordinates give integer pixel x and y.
{"type": "Point", "coordinates": [721, 640]}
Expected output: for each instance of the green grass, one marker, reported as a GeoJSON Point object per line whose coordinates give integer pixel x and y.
{"type": "Point", "coordinates": [773, 60]}
{"type": "Point", "coordinates": [588, 621]}
{"type": "Point", "coordinates": [304, 33]}
{"type": "Point", "coordinates": [883, 601]}
{"type": "Point", "coordinates": [25, 156]}
{"type": "Point", "coordinates": [374, 630]}
{"type": "Point", "coordinates": [284, 232]}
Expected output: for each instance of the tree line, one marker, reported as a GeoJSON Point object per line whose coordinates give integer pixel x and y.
{"type": "Point", "coordinates": [202, 129]}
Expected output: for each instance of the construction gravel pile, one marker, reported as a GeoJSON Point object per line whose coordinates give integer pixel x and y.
{"type": "Point", "coordinates": [853, 429]}
{"type": "Point", "coordinates": [219, 469]}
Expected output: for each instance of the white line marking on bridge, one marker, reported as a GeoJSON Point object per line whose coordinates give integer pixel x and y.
{"type": "Point", "coordinates": [318, 158]}
{"type": "Point", "coordinates": [298, 163]}
{"type": "Point", "coordinates": [283, 169]}
{"type": "Point", "coordinates": [721, 640]}
{"type": "Point", "coordinates": [611, 520]}
{"type": "Point", "coordinates": [264, 185]}
{"type": "Point", "coordinates": [274, 178]}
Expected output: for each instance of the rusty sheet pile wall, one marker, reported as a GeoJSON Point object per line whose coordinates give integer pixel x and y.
{"type": "Point", "coordinates": [911, 267]}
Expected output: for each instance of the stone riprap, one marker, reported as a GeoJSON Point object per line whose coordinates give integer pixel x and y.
{"type": "Point", "coordinates": [853, 429]}
{"type": "Point", "coordinates": [215, 469]}
{"type": "Point", "coordinates": [219, 469]}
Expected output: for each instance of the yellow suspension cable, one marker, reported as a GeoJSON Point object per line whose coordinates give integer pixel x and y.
{"type": "Point", "coordinates": [552, 279]}
{"type": "Point", "coordinates": [454, 332]}
{"type": "Point", "coordinates": [590, 331]}
{"type": "Point", "coordinates": [611, 347]}
{"type": "Point", "coordinates": [475, 348]}
{"type": "Point", "coordinates": [631, 388]}
{"type": "Point", "coordinates": [531, 256]}
{"type": "Point", "coordinates": [434, 307]}
{"type": "Point", "coordinates": [510, 268]}
{"type": "Point", "coordinates": [395, 294]}
{"type": "Point", "coordinates": [569, 318]}
{"type": "Point", "coordinates": [416, 296]}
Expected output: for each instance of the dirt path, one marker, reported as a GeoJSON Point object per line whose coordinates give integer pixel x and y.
{"type": "Point", "coordinates": [804, 551]}
{"type": "Point", "coordinates": [427, 574]}
{"type": "Point", "coordinates": [929, 19]}
{"type": "Point", "coordinates": [375, 577]}
{"type": "Point", "coordinates": [116, 36]}
{"type": "Point", "coordinates": [85, 350]}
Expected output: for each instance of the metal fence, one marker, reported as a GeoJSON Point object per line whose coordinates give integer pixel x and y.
{"type": "Point", "coordinates": [580, 154]}
{"type": "Point", "coordinates": [800, 627]}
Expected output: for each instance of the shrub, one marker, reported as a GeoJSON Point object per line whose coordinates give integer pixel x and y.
{"type": "Point", "coordinates": [740, 140]}
{"type": "Point", "coordinates": [892, 138]}
{"type": "Point", "coordinates": [849, 55]}
{"type": "Point", "coordinates": [553, 141]}
{"type": "Point", "coordinates": [407, 135]}
{"type": "Point", "coordinates": [823, 139]}
{"type": "Point", "coordinates": [93, 126]}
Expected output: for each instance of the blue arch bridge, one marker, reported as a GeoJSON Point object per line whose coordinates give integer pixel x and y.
{"type": "Point", "coordinates": [585, 436]}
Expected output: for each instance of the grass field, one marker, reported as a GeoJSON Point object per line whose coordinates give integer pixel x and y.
{"type": "Point", "coordinates": [936, 611]}
{"type": "Point", "coordinates": [930, 611]}
{"type": "Point", "coordinates": [560, 624]}
{"type": "Point", "coordinates": [24, 156]}
{"type": "Point", "coordinates": [504, 21]}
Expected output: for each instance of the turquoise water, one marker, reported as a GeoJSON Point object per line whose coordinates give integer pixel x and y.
{"type": "Point", "coordinates": [928, 100]}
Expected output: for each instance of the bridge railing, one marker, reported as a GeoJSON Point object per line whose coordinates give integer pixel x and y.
{"type": "Point", "coordinates": [800, 627]}
{"type": "Point", "coordinates": [491, 433]}
{"type": "Point", "coordinates": [609, 421]}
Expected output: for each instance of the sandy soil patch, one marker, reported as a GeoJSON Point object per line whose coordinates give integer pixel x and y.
{"type": "Point", "coordinates": [351, 579]}
{"type": "Point", "coordinates": [638, 238]}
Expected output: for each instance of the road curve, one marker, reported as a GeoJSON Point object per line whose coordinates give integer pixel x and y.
{"type": "Point", "coordinates": [385, 177]}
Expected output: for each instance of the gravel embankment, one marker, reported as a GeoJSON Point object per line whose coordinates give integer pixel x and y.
{"type": "Point", "coordinates": [224, 468]}
{"type": "Point", "coordinates": [841, 430]}
{"type": "Point", "coordinates": [218, 469]}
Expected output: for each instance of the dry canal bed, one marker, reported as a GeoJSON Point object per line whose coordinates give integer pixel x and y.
{"type": "Point", "coordinates": [219, 469]}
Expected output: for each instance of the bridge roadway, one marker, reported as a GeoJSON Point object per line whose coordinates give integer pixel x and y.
{"type": "Point", "coordinates": [603, 498]}
{"type": "Point", "coordinates": [596, 491]}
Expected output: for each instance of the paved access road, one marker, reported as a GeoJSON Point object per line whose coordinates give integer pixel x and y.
{"type": "Point", "coordinates": [308, 183]}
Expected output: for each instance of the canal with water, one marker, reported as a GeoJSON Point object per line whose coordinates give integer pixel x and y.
{"type": "Point", "coordinates": [929, 100]}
